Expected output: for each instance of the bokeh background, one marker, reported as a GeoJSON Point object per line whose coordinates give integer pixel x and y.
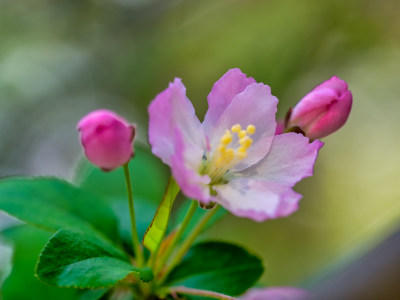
{"type": "Point", "coordinates": [62, 59]}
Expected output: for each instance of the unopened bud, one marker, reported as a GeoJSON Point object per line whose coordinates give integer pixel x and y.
{"type": "Point", "coordinates": [322, 111]}
{"type": "Point", "coordinates": [107, 139]}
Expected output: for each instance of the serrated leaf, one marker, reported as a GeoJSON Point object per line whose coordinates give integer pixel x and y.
{"type": "Point", "coordinates": [156, 231]}
{"type": "Point", "coordinates": [52, 203]}
{"type": "Point", "coordinates": [27, 242]}
{"type": "Point", "coordinates": [218, 267]}
{"type": "Point", "coordinates": [72, 259]}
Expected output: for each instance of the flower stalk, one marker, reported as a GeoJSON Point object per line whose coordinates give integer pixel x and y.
{"type": "Point", "coordinates": [180, 231]}
{"type": "Point", "coordinates": [135, 240]}
{"type": "Point", "coordinates": [188, 242]}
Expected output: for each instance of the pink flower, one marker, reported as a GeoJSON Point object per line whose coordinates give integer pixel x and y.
{"type": "Point", "coordinates": [233, 158]}
{"type": "Point", "coordinates": [324, 110]}
{"type": "Point", "coordinates": [276, 293]}
{"type": "Point", "coordinates": [107, 139]}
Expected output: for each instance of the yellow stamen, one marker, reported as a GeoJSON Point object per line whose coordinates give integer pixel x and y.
{"type": "Point", "coordinates": [242, 134]}
{"type": "Point", "coordinates": [220, 161]}
{"type": "Point", "coordinates": [242, 152]}
{"type": "Point", "coordinates": [229, 154]}
{"type": "Point", "coordinates": [245, 142]}
{"type": "Point", "coordinates": [251, 129]}
{"type": "Point", "coordinates": [226, 138]}
{"type": "Point", "coordinates": [225, 158]}
{"type": "Point", "coordinates": [236, 128]}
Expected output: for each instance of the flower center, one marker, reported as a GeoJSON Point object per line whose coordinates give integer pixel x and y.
{"type": "Point", "coordinates": [231, 150]}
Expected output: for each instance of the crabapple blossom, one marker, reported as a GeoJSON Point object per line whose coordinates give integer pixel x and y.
{"type": "Point", "coordinates": [234, 157]}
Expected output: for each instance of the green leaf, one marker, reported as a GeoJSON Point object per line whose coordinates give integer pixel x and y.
{"type": "Point", "coordinates": [79, 260]}
{"type": "Point", "coordinates": [52, 204]}
{"type": "Point", "coordinates": [156, 231]}
{"type": "Point", "coordinates": [218, 267]}
{"type": "Point", "coordinates": [21, 284]}
{"type": "Point", "coordinates": [92, 294]}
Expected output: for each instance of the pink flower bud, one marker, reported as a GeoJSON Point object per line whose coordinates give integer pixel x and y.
{"type": "Point", "coordinates": [280, 127]}
{"type": "Point", "coordinates": [107, 139]}
{"type": "Point", "coordinates": [324, 110]}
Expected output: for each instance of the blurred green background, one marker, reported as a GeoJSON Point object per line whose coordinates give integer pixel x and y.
{"type": "Point", "coordinates": [62, 59]}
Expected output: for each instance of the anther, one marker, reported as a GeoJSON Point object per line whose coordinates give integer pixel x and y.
{"type": "Point", "coordinates": [222, 148]}
{"type": "Point", "coordinates": [245, 142]}
{"type": "Point", "coordinates": [242, 134]}
{"type": "Point", "coordinates": [236, 128]}
{"type": "Point", "coordinates": [224, 158]}
{"type": "Point", "coordinates": [251, 129]}
{"type": "Point", "coordinates": [229, 154]}
{"type": "Point", "coordinates": [226, 139]}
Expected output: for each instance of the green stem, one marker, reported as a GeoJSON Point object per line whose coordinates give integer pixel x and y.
{"type": "Point", "coordinates": [203, 293]}
{"type": "Point", "coordinates": [135, 240]}
{"type": "Point", "coordinates": [179, 233]}
{"type": "Point", "coordinates": [188, 242]}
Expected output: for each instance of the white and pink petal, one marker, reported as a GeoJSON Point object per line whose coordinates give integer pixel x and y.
{"type": "Point", "coordinates": [170, 109]}
{"type": "Point", "coordinates": [290, 159]}
{"type": "Point", "coordinates": [258, 200]}
{"type": "Point", "coordinates": [185, 166]}
{"type": "Point", "coordinates": [224, 90]}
